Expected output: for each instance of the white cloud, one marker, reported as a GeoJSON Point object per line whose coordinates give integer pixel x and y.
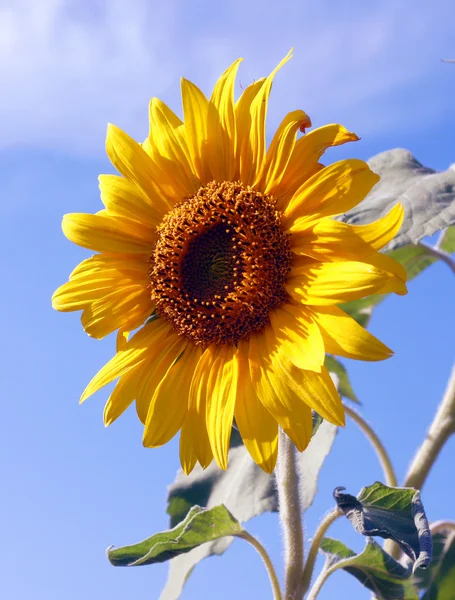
{"type": "Point", "coordinates": [68, 67]}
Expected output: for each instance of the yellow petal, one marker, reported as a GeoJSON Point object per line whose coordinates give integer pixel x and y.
{"type": "Point", "coordinates": [381, 232]}
{"type": "Point", "coordinates": [195, 112]}
{"type": "Point", "coordinates": [135, 352]}
{"type": "Point", "coordinates": [334, 240]}
{"type": "Point", "coordinates": [167, 147]}
{"type": "Point", "coordinates": [343, 336]}
{"type": "Point", "coordinates": [221, 393]}
{"type": "Point", "coordinates": [280, 151]}
{"type": "Point", "coordinates": [194, 439]}
{"type": "Point", "coordinates": [258, 428]}
{"type": "Point", "coordinates": [159, 360]}
{"type": "Point", "coordinates": [123, 199]}
{"type": "Point", "coordinates": [295, 338]}
{"type": "Point", "coordinates": [258, 109]}
{"type": "Point", "coordinates": [188, 458]}
{"type": "Point", "coordinates": [122, 396]}
{"type": "Point", "coordinates": [112, 291]}
{"type": "Point", "coordinates": [104, 266]}
{"type": "Point", "coordinates": [254, 143]}
{"type": "Point", "coordinates": [243, 152]}
{"type": "Point", "coordinates": [319, 392]}
{"type": "Point", "coordinates": [332, 191]}
{"type": "Point", "coordinates": [168, 409]}
{"type": "Point", "coordinates": [221, 126]}
{"type": "Point", "coordinates": [131, 161]}
{"type": "Point", "coordinates": [324, 284]}
{"type": "Point", "coordinates": [284, 404]}
{"type": "Point", "coordinates": [331, 240]}
{"type": "Point", "coordinates": [108, 234]}
{"type": "Point", "coordinates": [122, 339]}
{"type": "Point", "coordinates": [76, 294]}
{"type": "Point", "coordinates": [124, 308]}
{"type": "Point", "coordinates": [387, 263]}
{"type": "Point", "coordinates": [307, 152]}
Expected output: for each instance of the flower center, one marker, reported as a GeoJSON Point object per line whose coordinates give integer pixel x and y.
{"type": "Point", "coordinates": [220, 264]}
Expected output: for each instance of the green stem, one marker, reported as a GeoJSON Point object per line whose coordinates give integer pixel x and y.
{"type": "Point", "coordinates": [321, 579]}
{"type": "Point", "coordinates": [267, 562]}
{"type": "Point", "coordinates": [290, 517]}
{"type": "Point", "coordinates": [315, 544]}
{"type": "Point", "coordinates": [389, 473]}
{"type": "Point", "coordinates": [442, 427]}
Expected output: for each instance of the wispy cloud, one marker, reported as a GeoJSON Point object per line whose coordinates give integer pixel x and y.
{"type": "Point", "coordinates": [68, 67]}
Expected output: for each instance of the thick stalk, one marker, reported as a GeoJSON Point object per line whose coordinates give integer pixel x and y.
{"type": "Point", "coordinates": [442, 427]}
{"type": "Point", "coordinates": [389, 473]}
{"type": "Point", "coordinates": [321, 579]}
{"type": "Point", "coordinates": [290, 517]}
{"type": "Point", "coordinates": [315, 544]}
{"type": "Point", "coordinates": [267, 562]}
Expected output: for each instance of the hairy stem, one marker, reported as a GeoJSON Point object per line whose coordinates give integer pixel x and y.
{"type": "Point", "coordinates": [267, 562]}
{"type": "Point", "coordinates": [389, 473]}
{"type": "Point", "coordinates": [321, 579]}
{"type": "Point", "coordinates": [442, 427]}
{"type": "Point", "coordinates": [290, 517]}
{"type": "Point", "coordinates": [315, 544]}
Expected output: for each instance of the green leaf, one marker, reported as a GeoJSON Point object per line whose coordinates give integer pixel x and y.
{"type": "Point", "coordinates": [202, 486]}
{"type": "Point", "coordinates": [428, 196]}
{"type": "Point", "coordinates": [212, 486]}
{"type": "Point", "coordinates": [438, 581]}
{"type": "Point", "coordinates": [199, 527]}
{"type": "Point", "coordinates": [391, 513]}
{"type": "Point", "coordinates": [343, 384]}
{"type": "Point", "coordinates": [448, 241]}
{"type": "Point", "coordinates": [429, 201]}
{"type": "Point", "coordinates": [374, 568]}
{"type": "Point", "coordinates": [244, 489]}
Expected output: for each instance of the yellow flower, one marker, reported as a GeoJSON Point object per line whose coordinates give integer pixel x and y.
{"type": "Point", "coordinates": [229, 253]}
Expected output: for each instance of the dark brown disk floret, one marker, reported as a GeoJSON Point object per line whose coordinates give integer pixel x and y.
{"type": "Point", "coordinates": [220, 264]}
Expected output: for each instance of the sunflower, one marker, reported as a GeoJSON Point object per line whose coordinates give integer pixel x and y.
{"type": "Point", "coordinates": [224, 255]}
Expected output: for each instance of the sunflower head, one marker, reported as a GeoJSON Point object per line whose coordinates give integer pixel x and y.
{"type": "Point", "coordinates": [220, 264]}
{"type": "Point", "coordinates": [234, 250]}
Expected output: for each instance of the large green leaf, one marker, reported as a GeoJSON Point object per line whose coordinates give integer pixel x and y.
{"type": "Point", "coordinates": [244, 489]}
{"type": "Point", "coordinates": [197, 488]}
{"type": "Point", "coordinates": [438, 582]}
{"type": "Point", "coordinates": [374, 568]}
{"type": "Point", "coordinates": [391, 513]}
{"type": "Point", "coordinates": [429, 201]}
{"type": "Point", "coordinates": [428, 196]}
{"type": "Point", "coordinates": [199, 527]}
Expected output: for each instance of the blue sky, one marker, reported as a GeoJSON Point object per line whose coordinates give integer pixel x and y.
{"type": "Point", "coordinates": [71, 487]}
